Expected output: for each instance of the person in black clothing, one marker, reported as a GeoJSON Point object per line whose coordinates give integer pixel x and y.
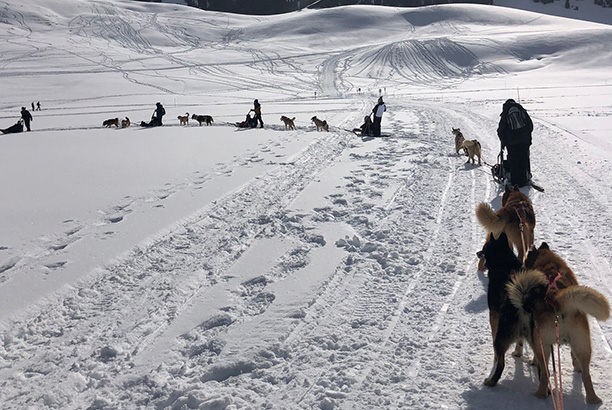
{"type": "Point", "coordinates": [33, 109]}
{"type": "Point", "coordinates": [156, 119]}
{"type": "Point", "coordinates": [37, 106]}
{"type": "Point", "coordinates": [27, 117]}
{"type": "Point", "coordinates": [257, 111]}
{"type": "Point", "coordinates": [159, 113]}
{"type": "Point", "coordinates": [377, 112]}
{"type": "Point", "coordinates": [514, 132]}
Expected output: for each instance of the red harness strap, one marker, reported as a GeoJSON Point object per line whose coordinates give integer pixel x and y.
{"type": "Point", "coordinates": [522, 220]}
{"type": "Point", "coordinates": [552, 285]}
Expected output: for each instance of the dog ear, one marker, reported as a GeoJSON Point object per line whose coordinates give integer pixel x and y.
{"type": "Point", "coordinates": [491, 237]}
{"type": "Point", "coordinates": [544, 246]}
{"type": "Point", "coordinates": [516, 188]}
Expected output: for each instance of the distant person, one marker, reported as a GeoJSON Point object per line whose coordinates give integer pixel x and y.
{"type": "Point", "coordinates": [156, 118]}
{"type": "Point", "coordinates": [378, 111]}
{"type": "Point", "coordinates": [366, 128]}
{"type": "Point", "coordinates": [26, 117]}
{"type": "Point", "coordinates": [158, 114]}
{"type": "Point", "coordinates": [257, 110]}
{"type": "Point", "coordinates": [514, 132]}
{"type": "Point", "coordinates": [37, 106]}
{"type": "Point", "coordinates": [33, 107]}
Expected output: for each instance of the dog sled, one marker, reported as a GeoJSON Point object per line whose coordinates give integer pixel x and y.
{"type": "Point", "coordinates": [249, 122]}
{"type": "Point", "coordinates": [13, 129]}
{"type": "Point", "coordinates": [501, 173]}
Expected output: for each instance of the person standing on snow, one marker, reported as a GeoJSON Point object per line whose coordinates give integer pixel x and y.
{"type": "Point", "coordinates": [257, 110]}
{"type": "Point", "coordinates": [378, 111]}
{"type": "Point", "coordinates": [514, 132]}
{"type": "Point", "coordinates": [27, 117]}
{"type": "Point", "coordinates": [159, 113]}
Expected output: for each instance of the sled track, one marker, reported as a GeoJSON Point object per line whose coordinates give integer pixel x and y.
{"type": "Point", "coordinates": [145, 291]}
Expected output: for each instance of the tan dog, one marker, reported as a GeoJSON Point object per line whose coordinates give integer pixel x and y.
{"type": "Point", "coordinates": [472, 147]}
{"type": "Point", "coordinates": [203, 119]}
{"type": "Point", "coordinates": [125, 123]}
{"type": "Point", "coordinates": [516, 211]}
{"type": "Point", "coordinates": [289, 122]}
{"type": "Point", "coordinates": [112, 121]}
{"type": "Point", "coordinates": [540, 308]}
{"type": "Point", "coordinates": [552, 265]}
{"type": "Point", "coordinates": [321, 125]}
{"type": "Point", "coordinates": [459, 138]}
{"type": "Point", "coordinates": [183, 119]}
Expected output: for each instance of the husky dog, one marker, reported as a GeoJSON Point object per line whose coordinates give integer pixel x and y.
{"type": "Point", "coordinates": [502, 263]}
{"type": "Point", "coordinates": [111, 121]}
{"type": "Point", "coordinates": [183, 119]}
{"type": "Point", "coordinates": [516, 218]}
{"type": "Point", "coordinates": [538, 312]}
{"type": "Point", "coordinates": [459, 140]}
{"type": "Point", "coordinates": [472, 148]}
{"type": "Point", "coordinates": [530, 306]}
{"type": "Point", "coordinates": [321, 125]}
{"type": "Point", "coordinates": [125, 122]}
{"type": "Point", "coordinates": [203, 119]}
{"type": "Point", "coordinates": [289, 122]}
{"type": "Point", "coordinates": [551, 265]}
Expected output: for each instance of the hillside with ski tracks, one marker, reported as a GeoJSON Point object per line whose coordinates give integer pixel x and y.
{"type": "Point", "coordinates": [216, 268]}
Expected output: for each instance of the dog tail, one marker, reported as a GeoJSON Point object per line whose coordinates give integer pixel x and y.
{"type": "Point", "coordinates": [526, 288]}
{"type": "Point", "coordinates": [529, 287]}
{"type": "Point", "coordinates": [489, 219]}
{"type": "Point", "coordinates": [293, 119]}
{"type": "Point", "coordinates": [582, 299]}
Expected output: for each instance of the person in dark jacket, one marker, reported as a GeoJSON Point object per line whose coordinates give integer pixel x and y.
{"type": "Point", "coordinates": [27, 117]}
{"type": "Point", "coordinates": [514, 132]}
{"type": "Point", "coordinates": [377, 112]}
{"type": "Point", "coordinates": [159, 113]}
{"type": "Point", "coordinates": [257, 110]}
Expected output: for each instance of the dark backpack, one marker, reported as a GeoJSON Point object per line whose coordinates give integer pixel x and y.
{"type": "Point", "coordinates": [517, 118]}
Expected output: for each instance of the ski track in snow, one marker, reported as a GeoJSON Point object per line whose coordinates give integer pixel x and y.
{"type": "Point", "coordinates": [367, 335]}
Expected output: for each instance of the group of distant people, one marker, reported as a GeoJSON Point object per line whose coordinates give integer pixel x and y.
{"type": "Point", "coordinates": [514, 131]}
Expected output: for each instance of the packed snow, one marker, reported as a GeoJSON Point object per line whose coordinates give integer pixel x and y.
{"type": "Point", "coordinates": [212, 267]}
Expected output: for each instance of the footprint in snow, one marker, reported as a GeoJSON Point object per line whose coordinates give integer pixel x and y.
{"type": "Point", "coordinates": [115, 219]}
{"type": "Point", "coordinates": [9, 264]}
{"type": "Point", "coordinates": [56, 265]}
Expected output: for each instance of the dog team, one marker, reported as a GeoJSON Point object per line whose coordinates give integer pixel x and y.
{"type": "Point", "coordinates": [534, 296]}
{"type": "Point", "coordinates": [251, 122]}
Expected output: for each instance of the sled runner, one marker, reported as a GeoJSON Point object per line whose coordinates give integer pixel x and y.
{"type": "Point", "coordinates": [501, 173]}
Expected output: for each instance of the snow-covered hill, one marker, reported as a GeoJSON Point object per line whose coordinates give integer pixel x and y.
{"type": "Point", "coordinates": [216, 268]}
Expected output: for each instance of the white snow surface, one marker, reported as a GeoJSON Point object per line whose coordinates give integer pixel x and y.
{"type": "Point", "coordinates": [208, 267]}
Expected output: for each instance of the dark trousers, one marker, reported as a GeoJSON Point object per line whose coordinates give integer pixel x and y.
{"type": "Point", "coordinates": [258, 118]}
{"type": "Point", "coordinates": [27, 124]}
{"type": "Point", "coordinates": [518, 162]}
{"type": "Point", "coordinates": [376, 126]}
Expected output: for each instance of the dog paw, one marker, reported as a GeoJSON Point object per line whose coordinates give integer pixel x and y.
{"type": "Point", "coordinates": [593, 399]}
{"type": "Point", "coordinates": [490, 382]}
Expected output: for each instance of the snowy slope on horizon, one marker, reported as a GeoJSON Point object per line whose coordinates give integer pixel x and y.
{"type": "Point", "coordinates": [215, 268]}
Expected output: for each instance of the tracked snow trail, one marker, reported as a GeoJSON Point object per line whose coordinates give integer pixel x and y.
{"type": "Point", "coordinates": [341, 275]}
{"type": "Point", "coordinates": [369, 326]}
{"type": "Point", "coordinates": [141, 295]}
